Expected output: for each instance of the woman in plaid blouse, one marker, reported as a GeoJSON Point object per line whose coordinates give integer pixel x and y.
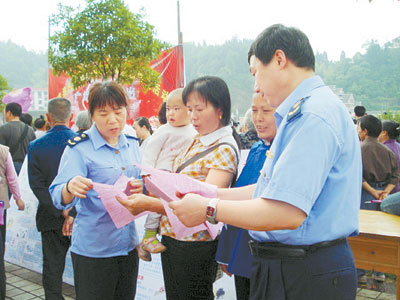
{"type": "Point", "coordinates": [189, 265]}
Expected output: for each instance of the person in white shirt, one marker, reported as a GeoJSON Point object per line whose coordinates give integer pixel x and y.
{"type": "Point", "coordinates": [159, 152]}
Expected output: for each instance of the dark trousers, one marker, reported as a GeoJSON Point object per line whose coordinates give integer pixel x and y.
{"type": "Point", "coordinates": [325, 273]}
{"type": "Point", "coordinates": [242, 286]}
{"type": "Point", "coordinates": [189, 269]}
{"type": "Point", "coordinates": [111, 278]}
{"type": "Point", "coordinates": [2, 273]}
{"type": "Point", "coordinates": [54, 247]}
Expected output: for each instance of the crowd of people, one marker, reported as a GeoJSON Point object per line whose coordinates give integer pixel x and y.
{"type": "Point", "coordinates": [287, 215]}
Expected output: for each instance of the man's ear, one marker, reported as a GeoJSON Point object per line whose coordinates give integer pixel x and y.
{"type": "Point", "coordinates": [71, 117]}
{"type": "Point", "coordinates": [280, 58]}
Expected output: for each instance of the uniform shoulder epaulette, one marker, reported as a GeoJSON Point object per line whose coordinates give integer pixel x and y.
{"type": "Point", "coordinates": [295, 110]}
{"type": "Point", "coordinates": [132, 137]}
{"type": "Point", "coordinates": [78, 139]}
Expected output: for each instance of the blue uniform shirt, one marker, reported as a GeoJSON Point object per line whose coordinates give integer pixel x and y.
{"type": "Point", "coordinates": [314, 164]}
{"type": "Point", "coordinates": [94, 234]}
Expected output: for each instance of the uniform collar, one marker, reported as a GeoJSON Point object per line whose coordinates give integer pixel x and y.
{"type": "Point", "coordinates": [303, 89]}
{"type": "Point", "coordinates": [212, 137]}
{"type": "Point", "coordinates": [58, 128]}
{"type": "Point", "coordinates": [98, 141]}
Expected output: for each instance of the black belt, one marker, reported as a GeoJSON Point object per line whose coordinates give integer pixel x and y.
{"type": "Point", "coordinates": [278, 250]}
{"type": "Point", "coordinates": [380, 184]}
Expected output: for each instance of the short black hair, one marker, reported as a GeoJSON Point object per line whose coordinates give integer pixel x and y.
{"type": "Point", "coordinates": [26, 118]}
{"type": "Point", "coordinates": [392, 128]}
{"type": "Point", "coordinates": [214, 91]}
{"type": "Point", "coordinates": [40, 122]}
{"type": "Point", "coordinates": [14, 108]}
{"type": "Point", "coordinates": [292, 41]}
{"type": "Point", "coordinates": [372, 124]}
{"type": "Point", "coordinates": [359, 110]}
{"type": "Point", "coordinates": [108, 92]}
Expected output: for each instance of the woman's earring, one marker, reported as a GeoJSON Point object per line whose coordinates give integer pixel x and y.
{"type": "Point", "coordinates": [220, 117]}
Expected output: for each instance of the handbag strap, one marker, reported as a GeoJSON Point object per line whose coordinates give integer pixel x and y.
{"type": "Point", "coordinates": [204, 153]}
{"type": "Point", "coordinates": [15, 146]}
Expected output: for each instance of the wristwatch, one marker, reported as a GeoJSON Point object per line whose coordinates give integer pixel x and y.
{"type": "Point", "coordinates": [211, 211]}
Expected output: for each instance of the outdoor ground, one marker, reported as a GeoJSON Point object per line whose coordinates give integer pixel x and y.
{"type": "Point", "coordinates": [23, 284]}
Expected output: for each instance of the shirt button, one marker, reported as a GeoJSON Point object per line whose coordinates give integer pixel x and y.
{"type": "Point", "coordinates": [116, 151]}
{"type": "Point", "coordinates": [123, 168]}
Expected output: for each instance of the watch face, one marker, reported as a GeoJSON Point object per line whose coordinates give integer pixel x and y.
{"type": "Point", "coordinates": [210, 211]}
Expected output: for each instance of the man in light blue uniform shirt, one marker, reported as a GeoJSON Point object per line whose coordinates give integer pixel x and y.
{"type": "Point", "coordinates": [307, 198]}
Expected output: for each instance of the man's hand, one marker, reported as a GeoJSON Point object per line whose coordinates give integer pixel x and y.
{"type": "Point", "coordinates": [79, 186]}
{"type": "Point", "coordinates": [136, 186]}
{"type": "Point", "coordinates": [20, 204]}
{"type": "Point", "coordinates": [191, 210]}
{"type": "Point", "coordinates": [67, 226]}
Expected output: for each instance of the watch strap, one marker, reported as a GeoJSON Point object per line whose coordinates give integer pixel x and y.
{"type": "Point", "coordinates": [211, 212]}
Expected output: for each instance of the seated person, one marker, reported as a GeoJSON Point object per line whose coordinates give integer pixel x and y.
{"type": "Point", "coordinates": [388, 136]}
{"type": "Point", "coordinates": [380, 172]}
{"type": "Point", "coordinates": [380, 166]}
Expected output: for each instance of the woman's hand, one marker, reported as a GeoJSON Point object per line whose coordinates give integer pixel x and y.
{"type": "Point", "coordinates": [136, 186]}
{"type": "Point", "coordinates": [79, 186]}
{"type": "Point", "coordinates": [138, 203]}
{"type": "Point", "coordinates": [20, 204]}
{"type": "Point", "coordinates": [68, 225]}
{"type": "Point", "coordinates": [191, 210]}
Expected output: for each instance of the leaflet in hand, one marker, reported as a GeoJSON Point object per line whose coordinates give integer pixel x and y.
{"type": "Point", "coordinates": [165, 185]}
{"type": "Point", "coordinates": [120, 215]}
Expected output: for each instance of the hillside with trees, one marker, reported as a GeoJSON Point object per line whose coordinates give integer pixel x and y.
{"type": "Point", "coordinates": [22, 68]}
{"type": "Point", "coordinates": [372, 76]}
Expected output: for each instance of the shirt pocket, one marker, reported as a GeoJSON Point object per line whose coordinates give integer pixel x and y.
{"type": "Point", "coordinates": [103, 173]}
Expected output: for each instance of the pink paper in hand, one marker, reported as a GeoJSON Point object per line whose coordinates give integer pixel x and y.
{"type": "Point", "coordinates": [165, 185]}
{"type": "Point", "coordinates": [107, 193]}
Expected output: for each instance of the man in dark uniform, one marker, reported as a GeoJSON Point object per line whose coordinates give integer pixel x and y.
{"type": "Point", "coordinates": [44, 156]}
{"type": "Point", "coordinates": [307, 197]}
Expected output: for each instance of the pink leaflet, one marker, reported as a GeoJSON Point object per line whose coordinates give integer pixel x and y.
{"type": "Point", "coordinates": [107, 193]}
{"type": "Point", "coordinates": [165, 185]}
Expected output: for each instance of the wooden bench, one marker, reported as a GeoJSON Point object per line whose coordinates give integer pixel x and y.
{"type": "Point", "coordinates": [378, 245]}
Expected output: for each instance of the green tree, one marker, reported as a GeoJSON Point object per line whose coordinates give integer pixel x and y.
{"type": "Point", "coordinates": [3, 90]}
{"type": "Point", "coordinates": [103, 41]}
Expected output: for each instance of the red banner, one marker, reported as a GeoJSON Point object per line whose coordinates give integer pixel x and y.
{"type": "Point", "coordinates": [170, 67]}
